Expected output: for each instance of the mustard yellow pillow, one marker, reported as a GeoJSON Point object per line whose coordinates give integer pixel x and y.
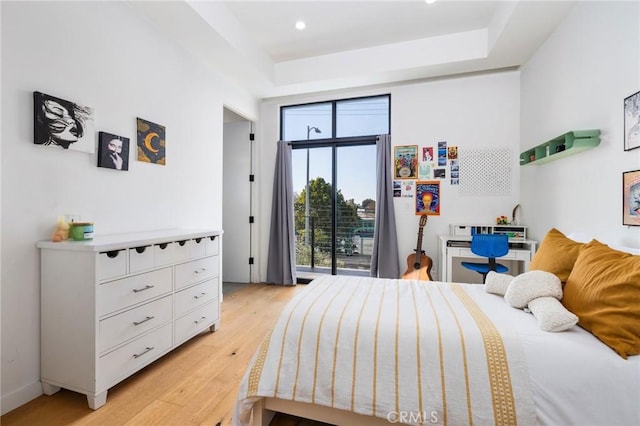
{"type": "Point", "coordinates": [603, 290]}
{"type": "Point", "coordinates": [556, 254]}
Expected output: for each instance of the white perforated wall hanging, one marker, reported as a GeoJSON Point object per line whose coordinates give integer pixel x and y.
{"type": "Point", "coordinates": [485, 171]}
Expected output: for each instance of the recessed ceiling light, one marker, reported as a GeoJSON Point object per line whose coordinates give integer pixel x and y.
{"type": "Point", "coordinates": [301, 25]}
{"type": "Point", "coordinates": [430, 1]}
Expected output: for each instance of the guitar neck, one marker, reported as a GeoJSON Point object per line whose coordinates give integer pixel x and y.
{"type": "Point", "coordinates": [419, 245]}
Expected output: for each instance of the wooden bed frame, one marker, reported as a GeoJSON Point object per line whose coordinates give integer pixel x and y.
{"type": "Point", "coordinates": [265, 409]}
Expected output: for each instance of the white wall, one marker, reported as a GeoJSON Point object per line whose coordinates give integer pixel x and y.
{"type": "Point", "coordinates": [578, 80]}
{"type": "Point", "coordinates": [103, 55]}
{"type": "Point", "coordinates": [470, 112]}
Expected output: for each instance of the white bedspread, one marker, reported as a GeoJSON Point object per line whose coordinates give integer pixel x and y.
{"type": "Point", "coordinates": [415, 351]}
{"type": "Point", "coordinates": [575, 378]}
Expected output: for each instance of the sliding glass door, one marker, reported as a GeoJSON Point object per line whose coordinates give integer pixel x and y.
{"type": "Point", "coordinates": [334, 208]}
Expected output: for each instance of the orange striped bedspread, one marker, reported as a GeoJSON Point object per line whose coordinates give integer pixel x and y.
{"type": "Point", "coordinates": [407, 351]}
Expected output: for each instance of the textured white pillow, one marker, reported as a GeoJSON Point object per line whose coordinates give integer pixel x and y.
{"type": "Point", "coordinates": [496, 283]}
{"type": "Point", "coordinates": [531, 285]}
{"type": "Point", "coordinates": [551, 314]}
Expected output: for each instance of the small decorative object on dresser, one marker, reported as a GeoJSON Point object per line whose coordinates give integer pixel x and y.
{"type": "Point", "coordinates": [112, 305]}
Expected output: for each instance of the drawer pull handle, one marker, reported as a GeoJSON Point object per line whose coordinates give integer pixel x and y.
{"type": "Point", "coordinates": [199, 295]}
{"type": "Point", "coordinates": [113, 254]}
{"type": "Point", "coordinates": [200, 320]}
{"type": "Point", "coordinates": [149, 348]}
{"type": "Point", "coordinates": [136, 323]}
{"type": "Point", "coordinates": [200, 270]}
{"type": "Point", "coordinates": [138, 290]}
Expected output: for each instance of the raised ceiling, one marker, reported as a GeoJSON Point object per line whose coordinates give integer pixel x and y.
{"type": "Point", "coordinates": [354, 43]}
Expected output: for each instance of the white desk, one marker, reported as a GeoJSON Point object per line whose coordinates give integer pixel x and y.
{"type": "Point", "coordinates": [452, 246]}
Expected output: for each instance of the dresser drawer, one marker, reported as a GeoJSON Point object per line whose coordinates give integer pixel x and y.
{"type": "Point", "coordinates": [163, 254]}
{"type": "Point", "coordinates": [119, 294]}
{"type": "Point", "coordinates": [129, 324]}
{"type": "Point", "coordinates": [140, 258]}
{"type": "Point", "coordinates": [211, 245]}
{"type": "Point", "coordinates": [128, 359]}
{"type": "Point", "coordinates": [182, 250]}
{"type": "Point", "coordinates": [197, 248]}
{"type": "Point", "coordinates": [192, 297]}
{"type": "Point", "coordinates": [112, 264]}
{"type": "Point", "coordinates": [196, 271]}
{"type": "Point", "coordinates": [196, 321]}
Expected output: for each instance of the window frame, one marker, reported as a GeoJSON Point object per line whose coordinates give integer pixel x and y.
{"type": "Point", "coordinates": [347, 140]}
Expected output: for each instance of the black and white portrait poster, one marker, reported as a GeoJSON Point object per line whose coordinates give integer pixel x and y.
{"type": "Point", "coordinates": [63, 124]}
{"type": "Point", "coordinates": [113, 151]}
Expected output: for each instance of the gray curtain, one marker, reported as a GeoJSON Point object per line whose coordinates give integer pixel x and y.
{"type": "Point", "coordinates": [384, 260]}
{"type": "Point", "coordinates": [281, 263]}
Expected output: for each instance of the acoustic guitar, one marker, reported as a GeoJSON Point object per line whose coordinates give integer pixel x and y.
{"type": "Point", "coordinates": [419, 264]}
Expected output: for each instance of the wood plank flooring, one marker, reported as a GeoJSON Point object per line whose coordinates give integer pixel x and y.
{"type": "Point", "coordinates": [196, 384]}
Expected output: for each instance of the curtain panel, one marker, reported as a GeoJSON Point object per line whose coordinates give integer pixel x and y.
{"type": "Point", "coordinates": [281, 263]}
{"type": "Point", "coordinates": [384, 259]}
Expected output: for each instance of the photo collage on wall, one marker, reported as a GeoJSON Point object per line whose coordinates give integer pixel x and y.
{"type": "Point", "coordinates": [67, 125]}
{"type": "Point", "coordinates": [419, 171]}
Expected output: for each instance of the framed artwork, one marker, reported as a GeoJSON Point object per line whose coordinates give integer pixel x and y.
{"type": "Point", "coordinates": [631, 198]}
{"type": "Point", "coordinates": [427, 153]}
{"type": "Point", "coordinates": [428, 198]}
{"type": "Point", "coordinates": [63, 124]}
{"type": "Point", "coordinates": [632, 122]}
{"type": "Point", "coordinates": [442, 153]}
{"type": "Point", "coordinates": [151, 142]}
{"type": "Point", "coordinates": [405, 162]}
{"type": "Point", "coordinates": [113, 151]}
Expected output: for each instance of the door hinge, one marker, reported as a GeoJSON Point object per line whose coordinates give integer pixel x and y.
{"type": "Point", "coordinates": [252, 178]}
{"type": "Point", "coordinates": [252, 136]}
{"type": "Point", "coordinates": [250, 219]}
{"type": "Point", "coordinates": [251, 261]}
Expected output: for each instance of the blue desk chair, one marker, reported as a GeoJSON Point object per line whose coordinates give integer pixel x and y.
{"type": "Point", "coordinates": [490, 246]}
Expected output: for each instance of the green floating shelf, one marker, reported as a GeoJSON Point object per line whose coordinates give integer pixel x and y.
{"type": "Point", "coordinates": [562, 146]}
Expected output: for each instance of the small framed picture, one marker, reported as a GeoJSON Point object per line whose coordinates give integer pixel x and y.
{"type": "Point", "coordinates": [405, 159]}
{"type": "Point", "coordinates": [151, 142]}
{"type": "Point", "coordinates": [428, 198]}
{"type": "Point", "coordinates": [113, 151]}
{"type": "Point", "coordinates": [631, 198]}
{"type": "Point", "coordinates": [63, 124]}
{"type": "Point", "coordinates": [632, 122]}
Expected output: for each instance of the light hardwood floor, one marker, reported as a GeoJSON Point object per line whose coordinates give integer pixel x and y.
{"type": "Point", "coordinates": [196, 384]}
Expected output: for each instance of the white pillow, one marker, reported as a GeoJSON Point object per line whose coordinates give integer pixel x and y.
{"type": "Point", "coordinates": [496, 283]}
{"type": "Point", "coordinates": [551, 314]}
{"type": "Point", "coordinates": [531, 285]}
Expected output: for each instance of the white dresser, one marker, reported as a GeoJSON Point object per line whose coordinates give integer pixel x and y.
{"type": "Point", "coordinates": [112, 305]}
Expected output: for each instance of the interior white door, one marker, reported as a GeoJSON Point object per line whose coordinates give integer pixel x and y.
{"type": "Point", "coordinates": [236, 202]}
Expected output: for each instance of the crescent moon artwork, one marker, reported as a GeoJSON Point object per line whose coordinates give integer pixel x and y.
{"type": "Point", "coordinates": [151, 142]}
{"type": "Point", "coordinates": [148, 142]}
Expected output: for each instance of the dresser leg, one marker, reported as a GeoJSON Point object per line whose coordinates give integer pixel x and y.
{"type": "Point", "coordinates": [214, 326]}
{"type": "Point", "coordinates": [97, 401]}
{"type": "Point", "coordinates": [49, 389]}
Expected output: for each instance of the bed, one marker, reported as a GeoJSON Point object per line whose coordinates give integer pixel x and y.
{"type": "Point", "coordinates": [359, 350]}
